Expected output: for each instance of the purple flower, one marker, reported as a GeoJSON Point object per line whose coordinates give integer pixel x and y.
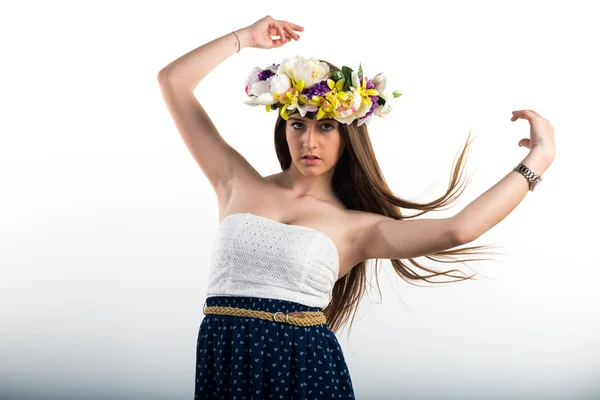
{"type": "Point", "coordinates": [267, 73]}
{"type": "Point", "coordinates": [318, 89]}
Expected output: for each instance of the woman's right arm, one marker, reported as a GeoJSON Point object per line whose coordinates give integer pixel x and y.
{"type": "Point", "coordinates": [188, 70]}
{"type": "Point", "coordinates": [217, 159]}
{"type": "Point", "coordinates": [221, 163]}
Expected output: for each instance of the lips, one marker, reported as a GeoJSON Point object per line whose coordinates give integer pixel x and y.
{"type": "Point", "coordinates": [311, 157]}
{"type": "Point", "coordinates": [309, 161]}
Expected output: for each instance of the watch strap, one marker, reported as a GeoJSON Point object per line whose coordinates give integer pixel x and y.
{"type": "Point", "coordinates": [531, 176]}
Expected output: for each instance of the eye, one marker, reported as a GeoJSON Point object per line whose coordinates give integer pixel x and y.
{"type": "Point", "coordinates": [330, 127]}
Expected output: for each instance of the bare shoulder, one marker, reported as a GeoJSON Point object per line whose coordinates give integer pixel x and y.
{"type": "Point", "coordinates": [361, 225]}
{"type": "Point", "coordinates": [357, 226]}
{"type": "Point", "coordinates": [247, 184]}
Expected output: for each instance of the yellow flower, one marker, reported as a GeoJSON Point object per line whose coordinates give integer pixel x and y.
{"type": "Point", "coordinates": [293, 99]}
{"type": "Point", "coordinates": [330, 102]}
{"type": "Point", "coordinates": [365, 93]}
{"type": "Point", "coordinates": [361, 103]}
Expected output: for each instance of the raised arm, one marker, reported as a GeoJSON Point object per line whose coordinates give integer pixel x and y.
{"type": "Point", "coordinates": [188, 70]}
{"type": "Point", "coordinates": [217, 159]}
{"type": "Point", "coordinates": [496, 203]}
{"type": "Point", "coordinates": [384, 237]}
{"type": "Point", "coordinates": [221, 164]}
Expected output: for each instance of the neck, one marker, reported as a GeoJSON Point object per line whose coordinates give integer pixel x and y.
{"type": "Point", "coordinates": [317, 186]}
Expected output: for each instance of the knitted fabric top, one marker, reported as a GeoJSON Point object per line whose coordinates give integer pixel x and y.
{"type": "Point", "coordinates": [260, 257]}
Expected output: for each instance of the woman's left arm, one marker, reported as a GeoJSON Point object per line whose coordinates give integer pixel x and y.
{"type": "Point", "coordinates": [501, 199]}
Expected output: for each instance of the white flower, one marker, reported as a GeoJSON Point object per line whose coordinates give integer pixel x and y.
{"type": "Point", "coordinates": [310, 70]}
{"type": "Point", "coordinates": [263, 92]}
{"type": "Point", "coordinates": [359, 107]}
{"type": "Point", "coordinates": [253, 78]}
{"type": "Point", "coordinates": [382, 110]}
{"type": "Point", "coordinates": [262, 99]}
{"type": "Point", "coordinates": [363, 109]}
{"type": "Point", "coordinates": [260, 94]}
{"type": "Point", "coordinates": [349, 115]}
{"type": "Point", "coordinates": [380, 82]}
{"type": "Point", "coordinates": [302, 109]}
{"type": "Point", "coordinates": [356, 81]}
{"type": "Point", "coordinates": [280, 84]}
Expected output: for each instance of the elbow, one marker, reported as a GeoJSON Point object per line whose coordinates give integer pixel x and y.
{"type": "Point", "coordinates": [461, 234]}
{"type": "Point", "coordinates": [162, 75]}
{"type": "Point", "coordinates": [461, 238]}
{"type": "Point", "coordinates": [165, 74]}
{"type": "Point", "coordinates": [167, 78]}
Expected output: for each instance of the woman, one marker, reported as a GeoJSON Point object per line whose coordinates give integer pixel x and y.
{"type": "Point", "coordinates": [288, 265]}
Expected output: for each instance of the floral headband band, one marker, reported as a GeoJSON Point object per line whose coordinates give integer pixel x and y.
{"type": "Point", "coordinates": [309, 86]}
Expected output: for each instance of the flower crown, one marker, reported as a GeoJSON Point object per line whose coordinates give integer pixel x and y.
{"type": "Point", "coordinates": [310, 86]}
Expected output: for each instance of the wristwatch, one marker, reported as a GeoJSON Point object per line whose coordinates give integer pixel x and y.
{"type": "Point", "coordinates": [531, 176]}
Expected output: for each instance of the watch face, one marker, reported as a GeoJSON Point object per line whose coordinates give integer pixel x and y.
{"type": "Point", "coordinates": [536, 183]}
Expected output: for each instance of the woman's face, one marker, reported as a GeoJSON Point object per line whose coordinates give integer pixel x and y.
{"type": "Point", "coordinates": [320, 138]}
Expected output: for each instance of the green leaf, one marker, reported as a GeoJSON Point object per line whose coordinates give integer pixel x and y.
{"type": "Point", "coordinates": [396, 93]}
{"type": "Point", "coordinates": [347, 71]}
{"type": "Point", "coordinates": [336, 75]}
{"type": "Point", "coordinates": [360, 71]}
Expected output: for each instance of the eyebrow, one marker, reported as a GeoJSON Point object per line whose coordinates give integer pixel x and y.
{"type": "Point", "coordinates": [302, 119]}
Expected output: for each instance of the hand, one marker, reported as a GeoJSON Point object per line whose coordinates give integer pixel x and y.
{"type": "Point", "coordinates": [541, 132]}
{"type": "Point", "coordinates": [262, 30]}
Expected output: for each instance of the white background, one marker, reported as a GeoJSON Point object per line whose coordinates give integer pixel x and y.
{"type": "Point", "coordinates": [107, 222]}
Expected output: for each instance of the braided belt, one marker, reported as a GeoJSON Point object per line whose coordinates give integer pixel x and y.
{"type": "Point", "coordinates": [300, 318]}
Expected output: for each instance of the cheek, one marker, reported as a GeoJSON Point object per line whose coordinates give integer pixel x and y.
{"type": "Point", "coordinates": [294, 145]}
{"type": "Point", "coordinates": [291, 140]}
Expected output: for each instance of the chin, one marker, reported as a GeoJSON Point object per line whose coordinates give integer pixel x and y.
{"type": "Point", "coordinates": [311, 170]}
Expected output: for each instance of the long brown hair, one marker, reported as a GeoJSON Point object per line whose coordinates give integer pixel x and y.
{"type": "Point", "coordinates": [360, 184]}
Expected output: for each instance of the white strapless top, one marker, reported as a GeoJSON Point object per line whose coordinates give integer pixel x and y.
{"type": "Point", "coordinates": [260, 257]}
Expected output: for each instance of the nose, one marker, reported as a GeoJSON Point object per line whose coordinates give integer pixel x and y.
{"type": "Point", "coordinates": [310, 139]}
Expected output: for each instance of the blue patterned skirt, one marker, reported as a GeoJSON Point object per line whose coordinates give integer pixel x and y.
{"type": "Point", "coordinates": [251, 358]}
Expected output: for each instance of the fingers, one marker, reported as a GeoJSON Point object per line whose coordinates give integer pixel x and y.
{"type": "Point", "coordinates": [525, 142]}
{"type": "Point", "coordinates": [526, 114]}
{"type": "Point", "coordinates": [284, 27]}
{"type": "Point", "coordinates": [291, 33]}
{"type": "Point", "coordinates": [278, 31]}
{"type": "Point", "coordinates": [294, 26]}
{"type": "Point", "coordinates": [290, 27]}
{"type": "Point", "coordinates": [281, 33]}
